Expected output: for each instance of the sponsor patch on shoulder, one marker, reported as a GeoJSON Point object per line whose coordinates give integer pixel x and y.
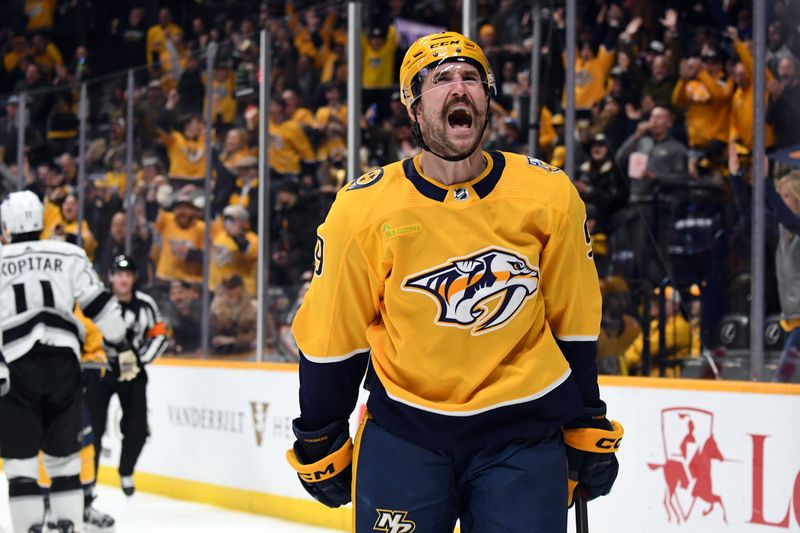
{"type": "Point", "coordinates": [400, 231]}
{"type": "Point", "coordinates": [532, 161]}
{"type": "Point", "coordinates": [370, 178]}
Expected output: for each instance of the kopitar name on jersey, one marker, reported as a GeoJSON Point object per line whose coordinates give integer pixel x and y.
{"type": "Point", "coordinates": [20, 265]}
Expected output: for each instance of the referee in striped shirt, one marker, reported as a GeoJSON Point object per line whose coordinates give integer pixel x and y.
{"type": "Point", "coordinates": [148, 334]}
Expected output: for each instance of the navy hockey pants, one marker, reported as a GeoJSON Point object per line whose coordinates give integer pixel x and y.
{"type": "Point", "coordinates": [517, 486]}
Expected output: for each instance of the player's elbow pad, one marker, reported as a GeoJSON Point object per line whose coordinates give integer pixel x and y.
{"type": "Point", "coordinates": [323, 462]}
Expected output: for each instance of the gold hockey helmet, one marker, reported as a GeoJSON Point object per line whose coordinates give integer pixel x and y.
{"type": "Point", "coordinates": [438, 48]}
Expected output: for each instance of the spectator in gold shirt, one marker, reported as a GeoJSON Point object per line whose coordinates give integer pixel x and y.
{"type": "Point", "coordinates": [186, 148]}
{"type": "Point", "coordinates": [313, 37]}
{"type": "Point", "coordinates": [65, 226]}
{"type": "Point", "coordinates": [180, 256]}
{"type": "Point", "coordinates": [158, 34]}
{"type": "Point", "coordinates": [593, 63]}
{"type": "Point", "coordinates": [234, 148]}
{"type": "Point", "coordinates": [741, 131]}
{"type": "Point", "coordinates": [234, 250]}
{"type": "Point", "coordinates": [47, 55]}
{"type": "Point", "coordinates": [290, 151]}
{"type": "Point", "coordinates": [591, 74]}
{"type": "Point", "coordinates": [295, 109]}
{"type": "Point", "coordinates": [18, 55]}
{"type": "Point", "coordinates": [378, 50]}
{"type": "Point", "coordinates": [618, 329]}
{"type": "Point", "coordinates": [378, 57]}
{"type": "Point", "coordinates": [681, 340]}
{"type": "Point", "coordinates": [705, 94]}
{"type": "Point", "coordinates": [41, 14]}
{"type": "Point", "coordinates": [333, 108]}
{"type": "Point", "coordinates": [223, 103]}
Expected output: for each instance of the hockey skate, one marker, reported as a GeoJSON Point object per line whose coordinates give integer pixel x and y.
{"type": "Point", "coordinates": [94, 520]}
{"type": "Point", "coordinates": [62, 526]}
{"type": "Point", "coordinates": [127, 485]}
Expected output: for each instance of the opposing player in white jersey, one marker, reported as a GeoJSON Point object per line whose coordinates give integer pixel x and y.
{"type": "Point", "coordinates": [4, 384]}
{"type": "Point", "coordinates": [40, 282]}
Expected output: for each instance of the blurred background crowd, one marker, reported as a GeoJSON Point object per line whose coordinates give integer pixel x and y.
{"type": "Point", "coordinates": [664, 134]}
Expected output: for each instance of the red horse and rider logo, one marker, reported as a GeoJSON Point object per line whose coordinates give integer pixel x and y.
{"type": "Point", "coordinates": [689, 450]}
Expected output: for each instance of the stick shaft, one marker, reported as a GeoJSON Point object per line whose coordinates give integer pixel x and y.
{"type": "Point", "coordinates": [581, 516]}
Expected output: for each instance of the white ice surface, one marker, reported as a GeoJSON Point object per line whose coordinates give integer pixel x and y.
{"type": "Point", "coordinates": [154, 514]}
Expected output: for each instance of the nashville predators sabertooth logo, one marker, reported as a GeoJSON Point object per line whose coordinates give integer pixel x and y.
{"type": "Point", "coordinates": [481, 292]}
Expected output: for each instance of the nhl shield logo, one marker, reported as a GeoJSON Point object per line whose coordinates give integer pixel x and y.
{"type": "Point", "coordinates": [689, 452]}
{"type": "Point", "coordinates": [482, 291]}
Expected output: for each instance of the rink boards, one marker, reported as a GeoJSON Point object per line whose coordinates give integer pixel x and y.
{"type": "Point", "coordinates": [697, 456]}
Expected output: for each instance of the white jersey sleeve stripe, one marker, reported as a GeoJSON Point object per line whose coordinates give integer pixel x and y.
{"type": "Point", "coordinates": [154, 350]}
{"type": "Point", "coordinates": [335, 358]}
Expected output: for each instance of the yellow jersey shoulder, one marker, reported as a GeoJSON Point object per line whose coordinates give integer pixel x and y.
{"type": "Point", "coordinates": [370, 195]}
{"type": "Point", "coordinates": [537, 180]}
{"type": "Point", "coordinates": [518, 161]}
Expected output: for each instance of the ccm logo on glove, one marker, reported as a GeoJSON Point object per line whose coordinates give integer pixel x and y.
{"type": "Point", "coordinates": [609, 444]}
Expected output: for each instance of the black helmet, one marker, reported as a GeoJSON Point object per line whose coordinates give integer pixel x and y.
{"type": "Point", "coordinates": [123, 263]}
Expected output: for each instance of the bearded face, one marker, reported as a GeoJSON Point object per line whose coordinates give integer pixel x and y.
{"type": "Point", "coordinates": [452, 109]}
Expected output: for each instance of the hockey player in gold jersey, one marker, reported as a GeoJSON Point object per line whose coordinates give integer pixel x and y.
{"type": "Point", "coordinates": [462, 282]}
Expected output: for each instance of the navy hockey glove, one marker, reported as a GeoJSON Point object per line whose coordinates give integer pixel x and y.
{"type": "Point", "coordinates": [322, 460]}
{"type": "Point", "coordinates": [592, 442]}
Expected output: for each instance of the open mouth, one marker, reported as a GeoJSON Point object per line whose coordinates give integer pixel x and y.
{"type": "Point", "coordinates": [459, 117]}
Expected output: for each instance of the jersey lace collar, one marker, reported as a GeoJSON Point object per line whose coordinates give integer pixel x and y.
{"type": "Point", "coordinates": [483, 185]}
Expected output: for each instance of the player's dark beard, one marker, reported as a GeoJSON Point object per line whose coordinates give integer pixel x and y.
{"type": "Point", "coordinates": [436, 135]}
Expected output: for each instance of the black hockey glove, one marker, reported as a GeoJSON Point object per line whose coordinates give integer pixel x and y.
{"type": "Point", "coordinates": [592, 442]}
{"type": "Point", "coordinates": [322, 460]}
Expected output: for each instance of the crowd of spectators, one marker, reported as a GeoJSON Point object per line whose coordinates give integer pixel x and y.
{"type": "Point", "coordinates": [664, 99]}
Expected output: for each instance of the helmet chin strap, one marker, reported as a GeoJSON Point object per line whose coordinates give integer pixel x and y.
{"type": "Point", "coordinates": [416, 134]}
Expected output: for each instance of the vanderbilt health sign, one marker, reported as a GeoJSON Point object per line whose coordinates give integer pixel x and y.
{"type": "Point", "coordinates": [696, 457]}
{"type": "Point", "coordinates": [222, 426]}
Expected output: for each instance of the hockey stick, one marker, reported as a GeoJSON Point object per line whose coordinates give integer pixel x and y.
{"type": "Point", "coordinates": [95, 366]}
{"type": "Point", "coordinates": [581, 518]}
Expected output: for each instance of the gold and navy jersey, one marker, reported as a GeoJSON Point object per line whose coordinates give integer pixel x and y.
{"type": "Point", "coordinates": [41, 14]}
{"type": "Point", "coordinates": [228, 259]}
{"type": "Point", "coordinates": [478, 303]}
{"type": "Point", "coordinates": [707, 101]}
{"type": "Point", "coordinates": [170, 266]}
{"type": "Point", "coordinates": [378, 68]}
{"type": "Point", "coordinates": [187, 157]}
{"type": "Point", "coordinates": [288, 147]}
{"type": "Point", "coordinates": [93, 350]}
